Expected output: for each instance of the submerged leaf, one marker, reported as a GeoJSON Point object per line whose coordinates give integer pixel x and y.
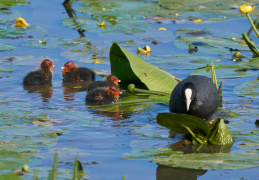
{"type": "Point", "coordinates": [128, 67]}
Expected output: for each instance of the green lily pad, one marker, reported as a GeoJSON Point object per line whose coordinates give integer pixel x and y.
{"type": "Point", "coordinates": [124, 25]}
{"type": "Point", "coordinates": [6, 70]}
{"type": "Point", "coordinates": [250, 89]}
{"type": "Point", "coordinates": [57, 43]}
{"type": "Point", "coordinates": [180, 122]}
{"type": "Point", "coordinates": [12, 32]}
{"type": "Point", "coordinates": [130, 103]}
{"type": "Point", "coordinates": [210, 161]}
{"type": "Point", "coordinates": [225, 72]}
{"type": "Point", "coordinates": [6, 47]}
{"type": "Point", "coordinates": [181, 61]}
{"type": "Point", "coordinates": [11, 160]}
{"type": "Point", "coordinates": [10, 177]}
{"type": "Point", "coordinates": [129, 67]}
{"type": "Point", "coordinates": [8, 15]}
{"type": "Point", "coordinates": [208, 41]}
{"type": "Point", "coordinates": [11, 3]}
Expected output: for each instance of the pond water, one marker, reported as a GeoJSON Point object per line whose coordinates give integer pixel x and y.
{"type": "Point", "coordinates": [37, 123]}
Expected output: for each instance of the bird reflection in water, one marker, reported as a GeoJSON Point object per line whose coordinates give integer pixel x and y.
{"type": "Point", "coordinates": [44, 90]}
{"type": "Point", "coordinates": [71, 88]}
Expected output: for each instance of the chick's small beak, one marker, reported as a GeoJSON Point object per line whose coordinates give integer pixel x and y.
{"type": "Point", "coordinates": [62, 67]}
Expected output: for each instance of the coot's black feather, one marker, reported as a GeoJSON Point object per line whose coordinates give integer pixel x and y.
{"type": "Point", "coordinates": [205, 100]}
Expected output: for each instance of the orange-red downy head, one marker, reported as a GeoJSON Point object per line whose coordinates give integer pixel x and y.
{"type": "Point", "coordinates": [114, 92]}
{"type": "Point", "coordinates": [69, 66]}
{"type": "Point", "coordinates": [46, 64]}
{"type": "Point", "coordinates": [113, 79]}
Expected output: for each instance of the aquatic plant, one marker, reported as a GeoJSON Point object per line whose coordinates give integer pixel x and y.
{"type": "Point", "coordinates": [245, 9]}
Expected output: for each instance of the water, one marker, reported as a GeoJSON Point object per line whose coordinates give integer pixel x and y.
{"type": "Point", "coordinates": [101, 138]}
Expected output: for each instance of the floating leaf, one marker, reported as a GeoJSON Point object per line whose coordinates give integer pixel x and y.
{"type": "Point", "coordinates": [8, 15]}
{"type": "Point", "coordinates": [250, 89]}
{"type": "Point", "coordinates": [10, 3]}
{"type": "Point", "coordinates": [128, 67]}
{"type": "Point", "coordinates": [225, 72]}
{"type": "Point", "coordinates": [11, 160]}
{"type": "Point", "coordinates": [208, 41]}
{"type": "Point", "coordinates": [6, 47]}
{"type": "Point", "coordinates": [210, 161]}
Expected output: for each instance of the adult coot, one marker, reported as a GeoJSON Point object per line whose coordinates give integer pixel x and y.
{"type": "Point", "coordinates": [41, 76]}
{"type": "Point", "coordinates": [109, 81]}
{"type": "Point", "coordinates": [102, 95]}
{"type": "Point", "coordinates": [195, 95]}
{"type": "Point", "coordinates": [72, 73]}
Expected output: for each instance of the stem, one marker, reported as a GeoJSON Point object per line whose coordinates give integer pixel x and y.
{"type": "Point", "coordinates": [150, 92]}
{"type": "Point", "coordinates": [193, 135]}
{"type": "Point", "coordinates": [250, 45]}
{"type": "Point", "coordinates": [252, 24]}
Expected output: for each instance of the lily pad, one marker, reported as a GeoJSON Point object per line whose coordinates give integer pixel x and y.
{"type": "Point", "coordinates": [129, 67]}
{"type": "Point", "coordinates": [208, 41]}
{"type": "Point", "coordinates": [225, 72]}
{"type": "Point", "coordinates": [181, 61]}
{"type": "Point", "coordinates": [250, 89]}
{"type": "Point", "coordinates": [11, 3]}
{"type": "Point", "coordinates": [6, 47]}
{"type": "Point", "coordinates": [58, 43]}
{"type": "Point", "coordinates": [11, 160]}
{"type": "Point", "coordinates": [210, 161]}
{"type": "Point", "coordinates": [10, 177]}
{"type": "Point", "coordinates": [8, 15]}
{"type": "Point", "coordinates": [125, 25]}
{"type": "Point", "coordinates": [12, 32]}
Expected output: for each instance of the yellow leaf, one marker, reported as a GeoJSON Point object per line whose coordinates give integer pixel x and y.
{"type": "Point", "coordinates": [97, 61]}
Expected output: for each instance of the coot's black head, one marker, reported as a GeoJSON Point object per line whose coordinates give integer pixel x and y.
{"type": "Point", "coordinates": [188, 93]}
{"type": "Point", "coordinates": [46, 65]}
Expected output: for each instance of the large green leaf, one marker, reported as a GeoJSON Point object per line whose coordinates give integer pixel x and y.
{"type": "Point", "coordinates": [210, 161]}
{"type": "Point", "coordinates": [220, 135]}
{"type": "Point", "coordinates": [10, 177]}
{"type": "Point", "coordinates": [129, 67]}
{"type": "Point", "coordinates": [179, 122]}
{"type": "Point", "coordinates": [11, 159]}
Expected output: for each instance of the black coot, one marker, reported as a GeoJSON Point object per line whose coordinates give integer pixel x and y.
{"type": "Point", "coordinates": [41, 76]}
{"type": "Point", "coordinates": [72, 73]}
{"type": "Point", "coordinates": [103, 95]}
{"type": "Point", "coordinates": [110, 80]}
{"type": "Point", "coordinates": [195, 95]}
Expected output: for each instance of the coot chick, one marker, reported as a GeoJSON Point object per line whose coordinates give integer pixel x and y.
{"type": "Point", "coordinates": [110, 80]}
{"type": "Point", "coordinates": [196, 95]}
{"type": "Point", "coordinates": [41, 76]}
{"type": "Point", "coordinates": [72, 73]}
{"type": "Point", "coordinates": [102, 95]}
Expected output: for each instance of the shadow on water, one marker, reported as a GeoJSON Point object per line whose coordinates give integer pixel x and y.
{"type": "Point", "coordinates": [166, 173]}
